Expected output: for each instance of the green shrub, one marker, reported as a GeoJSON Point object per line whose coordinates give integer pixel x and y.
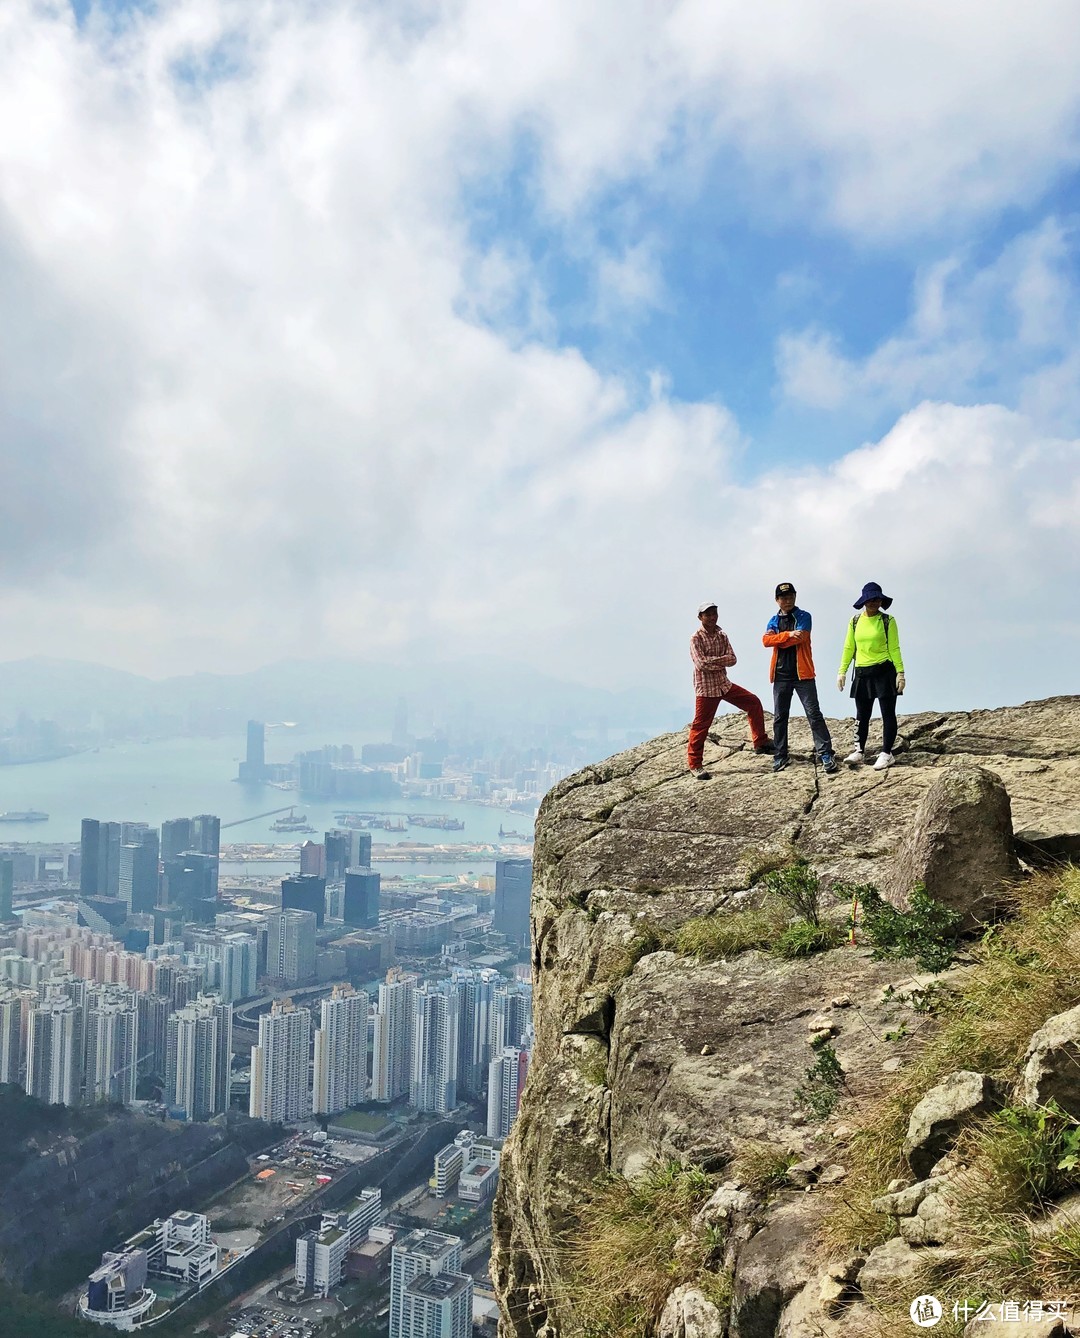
{"type": "Point", "coordinates": [803, 939]}
{"type": "Point", "coordinates": [820, 1091]}
{"type": "Point", "coordinates": [798, 887]}
{"type": "Point", "coordinates": [927, 931]}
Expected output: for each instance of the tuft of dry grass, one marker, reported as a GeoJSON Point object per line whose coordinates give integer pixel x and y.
{"type": "Point", "coordinates": [762, 1167]}
{"type": "Point", "coordinates": [1025, 970]}
{"type": "Point", "coordinates": [634, 1244]}
{"type": "Point", "coordinates": [710, 938]}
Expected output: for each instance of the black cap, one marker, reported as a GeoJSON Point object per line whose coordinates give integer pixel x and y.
{"type": "Point", "coordinates": [784, 588]}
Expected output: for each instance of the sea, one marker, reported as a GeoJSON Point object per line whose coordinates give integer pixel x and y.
{"type": "Point", "coordinates": [177, 778]}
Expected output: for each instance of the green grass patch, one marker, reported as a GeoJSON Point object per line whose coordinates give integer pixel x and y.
{"type": "Point", "coordinates": [364, 1122]}
{"type": "Point", "coordinates": [803, 939]}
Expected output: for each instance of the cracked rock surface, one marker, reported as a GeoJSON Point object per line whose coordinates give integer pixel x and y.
{"type": "Point", "coordinates": [643, 1054]}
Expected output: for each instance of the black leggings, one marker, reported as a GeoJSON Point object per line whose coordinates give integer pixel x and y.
{"type": "Point", "coordinates": [864, 709]}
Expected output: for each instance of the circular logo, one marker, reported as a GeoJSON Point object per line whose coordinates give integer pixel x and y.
{"type": "Point", "coordinates": [925, 1311]}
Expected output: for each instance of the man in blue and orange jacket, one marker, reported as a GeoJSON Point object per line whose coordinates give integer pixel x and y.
{"type": "Point", "coordinates": [792, 670]}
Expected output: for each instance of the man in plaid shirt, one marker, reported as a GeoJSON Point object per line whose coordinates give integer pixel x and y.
{"type": "Point", "coordinates": [712, 655]}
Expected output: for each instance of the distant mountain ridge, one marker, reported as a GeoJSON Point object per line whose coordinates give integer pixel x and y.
{"type": "Point", "coordinates": [478, 692]}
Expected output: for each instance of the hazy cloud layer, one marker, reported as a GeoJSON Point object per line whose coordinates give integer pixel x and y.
{"type": "Point", "coordinates": [264, 393]}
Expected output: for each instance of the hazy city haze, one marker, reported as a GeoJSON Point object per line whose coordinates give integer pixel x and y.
{"type": "Point", "coordinates": [405, 333]}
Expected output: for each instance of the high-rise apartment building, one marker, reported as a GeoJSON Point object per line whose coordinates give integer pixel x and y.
{"type": "Point", "coordinates": [362, 893]}
{"type": "Point", "coordinates": [477, 993]}
{"type": "Point", "coordinates": [154, 1010]}
{"type": "Point", "coordinates": [280, 1091]}
{"type": "Point", "coordinates": [513, 894]}
{"type": "Point", "coordinates": [392, 1040]}
{"type": "Point", "coordinates": [417, 1307]}
{"type": "Point", "coordinates": [54, 1060]}
{"type": "Point", "coordinates": [433, 1081]}
{"type": "Point", "coordinates": [7, 887]}
{"type": "Point", "coordinates": [512, 1015]}
{"type": "Point", "coordinates": [15, 1006]}
{"type": "Point", "coordinates": [341, 1052]}
{"type": "Point", "coordinates": [198, 1070]}
{"type": "Point", "coordinates": [506, 1081]}
{"type": "Point", "coordinates": [112, 1037]}
{"type": "Point", "coordinates": [290, 946]}
{"type": "Point", "coordinates": [305, 892]}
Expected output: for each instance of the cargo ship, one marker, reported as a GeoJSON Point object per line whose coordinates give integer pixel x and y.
{"type": "Point", "coordinates": [30, 815]}
{"type": "Point", "coordinates": [292, 823]}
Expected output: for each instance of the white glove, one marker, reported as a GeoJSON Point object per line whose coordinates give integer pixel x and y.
{"type": "Point", "coordinates": [841, 679]}
{"type": "Point", "coordinates": [901, 683]}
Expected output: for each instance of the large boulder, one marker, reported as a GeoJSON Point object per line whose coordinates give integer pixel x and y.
{"type": "Point", "coordinates": [942, 1113]}
{"type": "Point", "coordinates": [960, 844]}
{"type": "Point", "coordinates": [1052, 1064]}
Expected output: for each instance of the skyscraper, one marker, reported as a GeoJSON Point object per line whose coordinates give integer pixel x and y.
{"type": "Point", "coordinates": [290, 946]}
{"type": "Point", "coordinates": [99, 868]}
{"type": "Point", "coordinates": [362, 894]}
{"type": "Point", "coordinates": [416, 1260]}
{"type": "Point", "coordinates": [433, 1082]}
{"type": "Point", "coordinates": [154, 1012]}
{"type": "Point", "coordinates": [341, 1052]}
{"type": "Point", "coordinates": [392, 1043]}
{"type": "Point", "coordinates": [513, 1014]}
{"type": "Point", "coordinates": [477, 992]}
{"type": "Point", "coordinates": [206, 839]}
{"type": "Point", "coordinates": [279, 1064]}
{"type": "Point", "coordinates": [54, 1061]}
{"type": "Point", "coordinates": [513, 892]}
{"type": "Point", "coordinates": [198, 1076]}
{"type": "Point", "coordinates": [14, 1003]}
{"type": "Point", "coordinates": [7, 887]}
{"type": "Point", "coordinates": [175, 837]}
{"type": "Point", "coordinates": [253, 768]}
{"type": "Point", "coordinates": [138, 882]}
{"type": "Point", "coordinates": [305, 892]}
{"type": "Point", "coordinates": [112, 1031]}
{"type": "Point", "coordinates": [190, 884]}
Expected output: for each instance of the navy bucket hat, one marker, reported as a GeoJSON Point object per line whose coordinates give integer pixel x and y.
{"type": "Point", "coordinates": [871, 590]}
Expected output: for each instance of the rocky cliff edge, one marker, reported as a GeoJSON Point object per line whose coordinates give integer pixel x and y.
{"type": "Point", "coordinates": [649, 1057]}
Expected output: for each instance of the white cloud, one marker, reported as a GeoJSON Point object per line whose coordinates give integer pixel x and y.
{"type": "Point", "coordinates": [264, 394]}
{"type": "Point", "coordinates": [1003, 330]}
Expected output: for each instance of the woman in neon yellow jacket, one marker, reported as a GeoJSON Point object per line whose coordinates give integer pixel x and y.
{"type": "Point", "coordinates": [873, 642]}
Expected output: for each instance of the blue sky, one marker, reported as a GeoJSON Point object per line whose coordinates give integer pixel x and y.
{"type": "Point", "coordinates": [402, 330]}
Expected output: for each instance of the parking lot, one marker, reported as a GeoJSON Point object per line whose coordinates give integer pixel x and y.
{"type": "Point", "coordinates": [268, 1322]}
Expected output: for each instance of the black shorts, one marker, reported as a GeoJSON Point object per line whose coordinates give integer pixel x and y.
{"type": "Point", "coordinates": [874, 682]}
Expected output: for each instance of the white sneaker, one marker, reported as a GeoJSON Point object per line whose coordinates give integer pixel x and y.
{"type": "Point", "coordinates": [884, 760]}
{"type": "Point", "coordinates": [855, 758]}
